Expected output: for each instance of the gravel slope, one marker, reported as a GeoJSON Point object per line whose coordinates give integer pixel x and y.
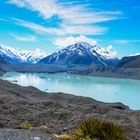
{"type": "Point", "coordinates": [59, 111]}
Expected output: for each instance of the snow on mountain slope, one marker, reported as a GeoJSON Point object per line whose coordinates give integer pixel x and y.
{"type": "Point", "coordinates": [21, 56]}
{"type": "Point", "coordinates": [81, 53]}
{"type": "Point", "coordinates": [32, 56]}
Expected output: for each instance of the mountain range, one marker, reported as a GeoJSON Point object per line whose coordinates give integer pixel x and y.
{"type": "Point", "coordinates": [80, 54]}
{"type": "Point", "coordinates": [21, 56]}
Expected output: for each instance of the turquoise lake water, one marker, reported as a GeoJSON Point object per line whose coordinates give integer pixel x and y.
{"type": "Point", "coordinates": [102, 89]}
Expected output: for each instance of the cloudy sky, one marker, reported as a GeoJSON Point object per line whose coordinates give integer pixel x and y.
{"type": "Point", "coordinates": [52, 24]}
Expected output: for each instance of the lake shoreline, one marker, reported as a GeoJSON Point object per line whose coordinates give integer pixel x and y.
{"type": "Point", "coordinates": [115, 89]}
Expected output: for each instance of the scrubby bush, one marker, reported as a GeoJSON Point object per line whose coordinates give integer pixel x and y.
{"type": "Point", "coordinates": [94, 129]}
{"type": "Point", "coordinates": [25, 125]}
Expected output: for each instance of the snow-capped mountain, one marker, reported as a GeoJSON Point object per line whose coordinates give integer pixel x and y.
{"type": "Point", "coordinates": [32, 56]}
{"type": "Point", "coordinates": [81, 54]}
{"type": "Point", "coordinates": [21, 56]}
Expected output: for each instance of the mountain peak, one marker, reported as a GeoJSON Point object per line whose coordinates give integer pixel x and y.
{"type": "Point", "coordinates": [82, 44]}
{"type": "Point", "coordinates": [38, 50]}
{"type": "Point", "coordinates": [81, 53]}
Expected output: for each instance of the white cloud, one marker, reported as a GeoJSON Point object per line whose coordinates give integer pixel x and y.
{"type": "Point", "coordinates": [109, 47]}
{"type": "Point", "coordinates": [75, 16]}
{"type": "Point", "coordinates": [63, 29]}
{"type": "Point", "coordinates": [70, 13]}
{"type": "Point", "coordinates": [27, 38]}
{"type": "Point", "coordinates": [126, 41]}
{"type": "Point", "coordinates": [46, 8]}
{"type": "Point", "coordinates": [32, 26]}
{"type": "Point", "coordinates": [64, 42]}
{"type": "Point", "coordinates": [84, 17]}
{"type": "Point", "coordinates": [77, 30]}
{"type": "Point", "coordinates": [135, 54]}
{"type": "Point", "coordinates": [17, 2]}
{"type": "Point", "coordinates": [111, 51]}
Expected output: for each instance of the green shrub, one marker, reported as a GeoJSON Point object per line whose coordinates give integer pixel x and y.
{"type": "Point", "coordinates": [94, 129]}
{"type": "Point", "coordinates": [25, 125]}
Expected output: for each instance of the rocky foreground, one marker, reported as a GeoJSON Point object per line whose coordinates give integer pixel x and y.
{"type": "Point", "coordinates": [20, 134]}
{"type": "Point", "coordinates": [59, 111]}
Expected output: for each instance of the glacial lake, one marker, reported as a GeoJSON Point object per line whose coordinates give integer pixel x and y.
{"type": "Point", "coordinates": [102, 89]}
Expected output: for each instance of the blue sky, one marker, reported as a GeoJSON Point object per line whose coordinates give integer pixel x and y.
{"type": "Point", "coordinates": [49, 24]}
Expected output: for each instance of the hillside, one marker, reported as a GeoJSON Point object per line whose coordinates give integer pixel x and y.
{"type": "Point", "coordinates": [5, 66]}
{"type": "Point", "coordinates": [129, 62]}
{"type": "Point", "coordinates": [102, 71]}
